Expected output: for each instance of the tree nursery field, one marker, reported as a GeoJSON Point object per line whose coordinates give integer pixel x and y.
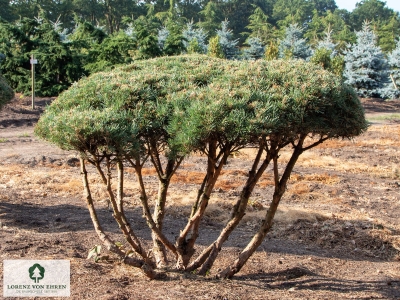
{"type": "Point", "coordinates": [336, 233]}
{"type": "Point", "coordinates": [243, 156]}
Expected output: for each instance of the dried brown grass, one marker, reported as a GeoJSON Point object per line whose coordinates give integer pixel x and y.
{"type": "Point", "coordinates": [286, 215]}
{"type": "Point", "coordinates": [300, 189]}
{"type": "Point", "coordinates": [228, 184]}
{"type": "Point", "coordinates": [322, 178]}
{"type": "Point", "coordinates": [314, 160]}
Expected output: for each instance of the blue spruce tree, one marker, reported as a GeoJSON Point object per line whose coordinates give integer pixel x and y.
{"type": "Point", "coordinates": [366, 68]}
{"type": "Point", "coordinates": [326, 56]}
{"type": "Point", "coordinates": [294, 46]}
{"type": "Point", "coordinates": [327, 43]}
{"type": "Point", "coordinates": [228, 44]}
{"type": "Point", "coordinates": [163, 34]}
{"type": "Point", "coordinates": [63, 33]}
{"type": "Point", "coordinates": [191, 34]}
{"type": "Point", "coordinates": [256, 49]}
{"type": "Point", "coordinates": [130, 31]}
{"type": "Point", "coordinates": [394, 63]}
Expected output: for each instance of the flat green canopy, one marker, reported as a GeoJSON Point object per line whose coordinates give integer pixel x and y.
{"type": "Point", "coordinates": [186, 100]}
{"type": "Point", "coordinates": [6, 93]}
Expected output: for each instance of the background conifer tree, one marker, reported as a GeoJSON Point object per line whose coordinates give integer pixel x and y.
{"type": "Point", "coordinates": [227, 42]}
{"type": "Point", "coordinates": [6, 93]}
{"type": "Point", "coordinates": [112, 51]}
{"type": "Point", "coordinates": [175, 42]}
{"type": "Point", "coordinates": [366, 68]}
{"type": "Point", "coordinates": [394, 63]}
{"type": "Point", "coordinates": [259, 26]}
{"type": "Point", "coordinates": [388, 32]}
{"type": "Point", "coordinates": [195, 39]}
{"type": "Point", "coordinates": [272, 51]}
{"type": "Point", "coordinates": [293, 44]}
{"type": "Point", "coordinates": [211, 17]}
{"type": "Point", "coordinates": [162, 36]}
{"type": "Point", "coordinates": [214, 48]}
{"type": "Point", "coordinates": [146, 34]}
{"type": "Point", "coordinates": [256, 49]}
{"type": "Point", "coordinates": [326, 55]}
{"type": "Point", "coordinates": [327, 43]}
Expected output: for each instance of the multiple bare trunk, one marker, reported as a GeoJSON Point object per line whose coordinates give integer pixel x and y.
{"type": "Point", "coordinates": [184, 247]}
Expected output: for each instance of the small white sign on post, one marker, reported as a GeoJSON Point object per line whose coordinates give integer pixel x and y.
{"type": "Point", "coordinates": [33, 63]}
{"type": "Point", "coordinates": [36, 278]}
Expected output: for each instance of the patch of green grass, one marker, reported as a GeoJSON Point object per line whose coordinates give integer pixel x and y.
{"type": "Point", "coordinates": [24, 135]}
{"type": "Point", "coordinates": [384, 117]}
{"type": "Point", "coordinates": [2, 140]}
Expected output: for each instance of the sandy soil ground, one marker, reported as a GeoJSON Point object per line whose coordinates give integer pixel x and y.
{"type": "Point", "coordinates": [336, 235]}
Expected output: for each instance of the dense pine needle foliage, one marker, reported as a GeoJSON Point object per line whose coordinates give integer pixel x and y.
{"type": "Point", "coordinates": [101, 35]}
{"type": "Point", "coordinates": [6, 93]}
{"type": "Point", "coordinates": [243, 100]}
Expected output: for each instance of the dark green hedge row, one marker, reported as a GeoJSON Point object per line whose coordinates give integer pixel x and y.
{"type": "Point", "coordinates": [6, 93]}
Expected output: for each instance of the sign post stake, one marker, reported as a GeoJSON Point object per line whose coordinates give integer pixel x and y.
{"type": "Point", "coordinates": [33, 80]}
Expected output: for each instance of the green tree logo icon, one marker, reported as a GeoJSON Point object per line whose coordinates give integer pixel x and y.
{"type": "Point", "coordinates": [36, 272]}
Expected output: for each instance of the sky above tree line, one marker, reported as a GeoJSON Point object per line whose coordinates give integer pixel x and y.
{"type": "Point", "coordinates": [351, 4]}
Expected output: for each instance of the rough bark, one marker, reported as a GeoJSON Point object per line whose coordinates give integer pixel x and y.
{"type": "Point", "coordinates": [164, 179]}
{"type": "Point", "coordinates": [119, 216]}
{"type": "Point", "coordinates": [280, 187]}
{"type": "Point", "coordinates": [239, 210]}
{"type": "Point", "coordinates": [104, 238]}
{"type": "Point", "coordinates": [184, 246]}
{"type": "Point", "coordinates": [159, 250]}
{"type": "Point", "coordinates": [146, 211]}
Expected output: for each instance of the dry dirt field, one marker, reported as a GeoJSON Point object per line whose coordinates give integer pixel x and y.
{"type": "Point", "coordinates": [336, 235]}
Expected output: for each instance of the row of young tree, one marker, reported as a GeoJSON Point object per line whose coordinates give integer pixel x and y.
{"type": "Point", "coordinates": [266, 19]}
{"type": "Point", "coordinates": [67, 53]}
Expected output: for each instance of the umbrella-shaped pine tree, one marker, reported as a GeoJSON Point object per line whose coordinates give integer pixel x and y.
{"type": "Point", "coordinates": [164, 109]}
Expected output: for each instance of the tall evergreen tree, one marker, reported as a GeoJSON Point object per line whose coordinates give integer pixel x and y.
{"type": "Point", "coordinates": [214, 48]}
{"type": "Point", "coordinates": [227, 42]}
{"type": "Point", "coordinates": [256, 49]}
{"type": "Point", "coordinates": [293, 11]}
{"type": "Point", "coordinates": [327, 43]}
{"type": "Point", "coordinates": [114, 50]}
{"type": "Point", "coordinates": [331, 21]}
{"type": "Point", "coordinates": [388, 32]}
{"type": "Point", "coordinates": [344, 37]}
{"type": "Point", "coordinates": [6, 92]}
{"type": "Point", "coordinates": [146, 37]}
{"type": "Point", "coordinates": [371, 10]}
{"type": "Point", "coordinates": [59, 64]}
{"type": "Point", "coordinates": [366, 68]}
{"type": "Point", "coordinates": [272, 51]}
{"type": "Point", "coordinates": [162, 36]}
{"type": "Point", "coordinates": [210, 17]}
{"type": "Point", "coordinates": [260, 27]}
{"type": "Point", "coordinates": [394, 63]}
{"type": "Point", "coordinates": [175, 42]}
{"type": "Point", "coordinates": [294, 45]}
{"type": "Point", "coordinates": [315, 29]}
{"type": "Point", "coordinates": [190, 34]}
